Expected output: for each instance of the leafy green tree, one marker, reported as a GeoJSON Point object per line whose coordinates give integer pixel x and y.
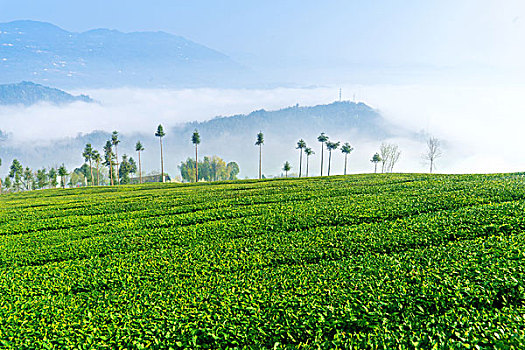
{"type": "Point", "coordinates": [53, 181]}
{"type": "Point", "coordinates": [84, 171]}
{"type": "Point", "coordinates": [108, 159]}
{"type": "Point", "coordinates": [160, 134]}
{"type": "Point", "coordinates": [346, 149]}
{"type": "Point", "coordinates": [16, 172]}
{"type": "Point", "coordinates": [79, 176]}
{"type": "Point", "coordinates": [218, 169]}
{"type": "Point", "coordinates": [376, 158]}
{"type": "Point", "coordinates": [196, 139]}
{"type": "Point", "coordinates": [127, 167]}
{"type": "Point", "coordinates": [287, 167]}
{"type": "Point", "coordinates": [210, 169]}
{"type": "Point", "coordinates": [260, 142]}
{"type": "Point", "coordinates": [139, 148]}
{"type": "Point", "coordinates": [97, 159]}
{"type": "Point", "coordinates": [88, 157]}
{"type": "Point", "coordinates": [7, 183]}
{"type": "Point", "coordinates": [233, 170]}
{"type": "Point", "coordinates": [28, 178]}
{"type": "Point", "coordinates": [42, 178]}
{"type": "Point", "coordinates": [308, 151]}
{"type": "Point", "coordinates": [300, 146]}
{"type": "Point", "coordinates": [322, 138]}
{"type": "Point", "coordinates": [115, 141]}
{"type": "Point", "coordinates": [331, 146]}
{"type": "Point", "coordinates": [187, 170]}
{"type": "Point", "coordinates": [62, 172]}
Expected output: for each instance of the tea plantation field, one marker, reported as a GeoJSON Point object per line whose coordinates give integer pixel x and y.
{"type": "Point", "coordinates": [366, 261]}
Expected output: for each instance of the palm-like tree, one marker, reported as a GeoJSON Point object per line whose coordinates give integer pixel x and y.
{"type": "Point", "coordinates": [322, 138]}
{"type": "Point", "coordinates": [62, 172]}
{"type": "Point", "coordinates": [346, 149]}
{"type": "Point", "coordinates": [331, 146]}
{"type": "Point", "coordinates": [287, 167]}
{"type": "Point", "coordinates": [260, 142]}
{"type": "Point", "coordinates": [376, 158]}
{"type": "Point", "coordinates": [108, 157]}
{"type": "Point", "coordinates": [88, 157]}
{"type": "Point", "coordinates": [308, 151]}
{"type": "Point", "coordinates": [160, 134]}
{"type": "Point", "coordinates": [115, 141]}
{"type": "Point", "coordinates": [139, 148]}
{"type": "Point", "coordinates": [300, 146]}
{"type": "Point", "coordinates": [196, 139]}
{"type": "Point", "coordinates": [97, 159]}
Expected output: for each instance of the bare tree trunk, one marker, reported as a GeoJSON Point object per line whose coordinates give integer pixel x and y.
{"type": "Point", "coordinates": [260, 161]}
{"type": "Point", "coordinates": [161, 161]}
{"type": "Point", "coordinates": [329, 161]}
{"type": "Point", "coordinates": [346, 156]}
{"type": "Point", "coordinates": [375, 168]}
{"type": "Point", "coordinates": [322, 149]}
{"type": "Point", "coordinates": [140, 170]}
{"type": "Point", "coordinates": [98, 175]}
{"type": "Point", "coordinates": [307, 165]}
{"type": "Point", "coordinates": [117, 174]}
{"type": "Point", "coordinates": [196, 165]}
{"type": "Point", "coordinates": [300, 161]}
{"type": "Point", "coordinates": [91, 170]}
{"type": "Point", "coordinates": [431, 163]}
{"type": "Point", "coordinates": [111, 173]}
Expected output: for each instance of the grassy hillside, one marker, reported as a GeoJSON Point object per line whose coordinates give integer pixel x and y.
{"type": "Point", "coordinates": [388, 260]}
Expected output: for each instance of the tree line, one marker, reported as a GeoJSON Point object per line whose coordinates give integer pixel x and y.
{"type": "Point", "coordinates": [388, 154]}
{"type": "Point", "coordinates": [192, 170]}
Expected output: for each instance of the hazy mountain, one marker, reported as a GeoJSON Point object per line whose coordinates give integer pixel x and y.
{"type": "Point", "coordinates": [47, 54]}
{"type": "Point", "coordinates": [231, 138]}
{"type": "Point", "coordinates": [28, 93]}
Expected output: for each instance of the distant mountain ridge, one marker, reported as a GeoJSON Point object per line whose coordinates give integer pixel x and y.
{"type": "Point", "coordinates": [47, 54]}
{"type": "Point", "coordinates": [28, 93]}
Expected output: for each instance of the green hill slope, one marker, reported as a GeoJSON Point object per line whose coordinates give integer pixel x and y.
{"type": "Point", "coordinates": [399, 261]}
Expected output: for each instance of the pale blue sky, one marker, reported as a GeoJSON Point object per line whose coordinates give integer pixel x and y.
{"type": "Point", "coordinates": [479, 37]}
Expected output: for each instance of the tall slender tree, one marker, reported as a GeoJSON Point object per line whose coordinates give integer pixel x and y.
{"type": "Point", "coordinates": [376, 158]}
{"type": "Point", "coordinates": [62, 172]}
{"type": "Point", "coordinates": [108, 159]}
{"type": "Point", "coordinates": [322, 138]}
{"type": "Point", "coordinates": [0, 178]}
{"type": "Point", "coordinates": [139, 148]}
{"type": "Point", "coordinates": [115, 141]}
{"type": "Point", "coordinates": [287, 167]}
{"type": "Point", "coordinates": [260, 142]}
{"type": "Point", "coordinates": [331, 146]}
{"type": "Point", "coordinates": [196, 139]}
{"type": "Point", "coordinates": [160, 134]}
{"type": "Point", "coordinates": [97, 159]}
{"type": "Point", "coordinates": [346, 149]}
{"type": "Point", "coordinates": [300, 146]}
{"type": "Point", "coordinates": [308, 151]}
{"type": "Point", "coordinates": [88, 157]}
